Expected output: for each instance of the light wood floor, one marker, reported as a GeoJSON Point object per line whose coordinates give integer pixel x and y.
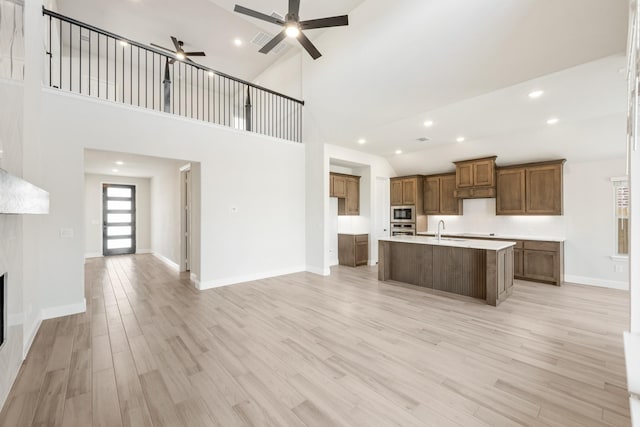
{"type": "Point", "coordinates": [309, 350]}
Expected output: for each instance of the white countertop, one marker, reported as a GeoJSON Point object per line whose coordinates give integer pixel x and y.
{"type": "Point", "coordinates": [489, 245]}
{"type": "Point", "coordinates": [496, 236]}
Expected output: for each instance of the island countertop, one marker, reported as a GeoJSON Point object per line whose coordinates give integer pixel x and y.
{"type": "Point", "coordinates": [489, 245]}
{"type": "Point", "coordinates": [490, 236]}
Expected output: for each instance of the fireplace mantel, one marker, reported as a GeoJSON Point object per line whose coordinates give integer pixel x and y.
{"type": "Point", "coordinates": [18, 196]}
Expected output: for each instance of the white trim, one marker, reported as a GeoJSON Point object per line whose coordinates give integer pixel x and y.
{"type": "Point", "coordinates": [186, 167]}
{"type": "Point", "coordinates": [210, 284]}
{"type": "Point", "coordinates": [144, 251]}
{"type": "Point", "coordinates": [193, 277]}
{"type": "Point", "coordinates": [373, 262]}
{"type": "Point", "coordinates": [93, 255]}
{"type": "Point", "coordinates": [319, 271]}
{"type": "Point", "coordinates": [28, 338]}
{"type": "Point", "coordinates": [619, 178]}
{"type": "Point", "coordinates": [166, 260]}
{"type": "Point", "coordinates": [634, 403]}
{"type": "Point", "coordinates": [619, 258]}
{"type": "Point", "coordinates": [591, 281]}
{"type": "Point", "coordinates": [632, 356]}
{"type": "Point", "coordinates": [64, 310]}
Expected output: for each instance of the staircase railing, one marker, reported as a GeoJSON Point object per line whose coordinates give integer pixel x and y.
{"type": "Point", "coordinates": [87, 60]}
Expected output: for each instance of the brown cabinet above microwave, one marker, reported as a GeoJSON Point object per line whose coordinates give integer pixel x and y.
{"type": "Point", "coordinates": [407, 190]}
{"type": "Point", "coordinates": [439, 198]}
{"type": "Point", "coordinates": [476, 179]}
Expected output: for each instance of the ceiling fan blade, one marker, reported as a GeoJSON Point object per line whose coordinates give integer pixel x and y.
{"type": "Point", "coordinates": [335, 21]}
{"type": "Point", "coordinates": [176, 43]}
{"type": "Point", "coordinates": [273, 42]}
{"type": "Point", "coordinates": [258, 15]}
{"type": "Point", "coordinates": [161, 47]}
{"type": "Point", "coordinates": [306, 43]}
{"type": "Point", "coordinates": [195, 54]}
{"type": "Point", "coordinates": [294, 7]}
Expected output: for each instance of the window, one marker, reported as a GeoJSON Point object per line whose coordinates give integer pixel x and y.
{"type": "Point", "coordinates": [621, 205]}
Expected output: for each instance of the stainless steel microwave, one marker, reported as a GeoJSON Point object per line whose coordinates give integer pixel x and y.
{"type": "Point", "coordinates": [403, 214]}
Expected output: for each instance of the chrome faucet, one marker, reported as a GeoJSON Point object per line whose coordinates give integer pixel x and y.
{"type": "Point", "coordinates": [439, 235]}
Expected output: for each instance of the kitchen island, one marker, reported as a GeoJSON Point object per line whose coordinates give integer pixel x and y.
{"type": "Point", "coordinates": [476, 268]}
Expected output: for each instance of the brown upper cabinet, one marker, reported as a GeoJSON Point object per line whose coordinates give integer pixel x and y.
{"type": "Point", "coordinates": [439, 195]}
{"type": "Point", "coordinates": [347, 189]}
{"type": "Point", "coordinates": [476, 178]}
{"type": "Point", "coordinates": [407, 190]}
{"type": "Point", "coordinates": [530, 189]}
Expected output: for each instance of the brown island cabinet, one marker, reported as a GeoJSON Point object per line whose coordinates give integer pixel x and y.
{"type": "Point", "coordinates": [476, 268]}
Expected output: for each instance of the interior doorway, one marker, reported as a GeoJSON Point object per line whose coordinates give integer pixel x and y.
{"type": "Point", "coordinates": [118, 219]}
{"type": "Point", "coordinates": [381, 215]}
{"type": "Point", "coordinates": [186, 218]}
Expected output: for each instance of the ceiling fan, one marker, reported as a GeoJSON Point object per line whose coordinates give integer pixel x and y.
{"type": "Point", "coordinates": [293, 27]}
{"type": "Point", "coordinates": [179, 53]}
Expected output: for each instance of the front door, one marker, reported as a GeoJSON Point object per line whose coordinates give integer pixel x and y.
{"type": "Point", "coordinates": [118, 219]}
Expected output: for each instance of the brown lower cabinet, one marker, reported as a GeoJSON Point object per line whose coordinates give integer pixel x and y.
{"type": "Point", "coordinates": [535, 260]}
{"type": "Point", "coordinates": [353, 249]}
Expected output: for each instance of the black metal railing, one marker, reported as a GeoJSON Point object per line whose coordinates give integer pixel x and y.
{"type": "Point", "coordinates": [90, 61]}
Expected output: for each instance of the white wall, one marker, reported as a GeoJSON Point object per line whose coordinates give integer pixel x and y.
{"type": "Point", "coordinates": [93, 211]}
{"type": "Point", "coordinates": [11, 235]}
{"type": "Point", "coordinates": [165, 212]}
{"type": "Point", "coordinates": [262, 178]}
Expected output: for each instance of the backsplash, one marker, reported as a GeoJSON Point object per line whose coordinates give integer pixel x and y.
{"type": "Point", "coordinates": [480, 217]}
{"type": "Point", "coordinates": [11, 39]}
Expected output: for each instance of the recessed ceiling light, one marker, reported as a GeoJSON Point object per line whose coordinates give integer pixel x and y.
{"type": "Point", "coordinates": [362, 141]}
{"type": "Point", "coordinates": [119, 163]}
{"type": "Point", "coordinates": [237, 42]}
{"type": "Point", "coordinates": [428, 123]}
{"type": "Point", "coordinates": [536, 94]}
{"type": "Point", "coordinates": [123, 43]}
{"type": "Point", "coordinates": [210, 73]}
{"type": "Point", "coordinates": [552, 121]}
{"type": "Point", "coordinates": [398, 151]}
{"type": "Point", "coordinates": [460, 139]}
{"type": "Point", "coordinates": [115, 170]}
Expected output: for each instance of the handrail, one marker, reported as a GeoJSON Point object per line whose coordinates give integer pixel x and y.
{"type": "Point", "coordinates": [56, 15]}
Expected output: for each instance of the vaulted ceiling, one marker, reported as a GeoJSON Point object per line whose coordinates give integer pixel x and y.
{"type": "Point", "coordinates": [467, 65]}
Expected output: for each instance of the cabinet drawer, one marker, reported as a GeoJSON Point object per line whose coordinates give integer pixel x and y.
{"type": "Point", "coordinates": [540, 246]}
{"type": "Point", "coordinates": [362, 238]}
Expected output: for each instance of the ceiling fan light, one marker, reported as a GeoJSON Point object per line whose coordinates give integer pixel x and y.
{"type": "Point", "coordinates": [180, 55]}
{"type": "Point", "coordinates": [292, 30]}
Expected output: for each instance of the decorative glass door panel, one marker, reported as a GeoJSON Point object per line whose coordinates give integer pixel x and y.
{"type": "Point", "coordinates": [118, 219]}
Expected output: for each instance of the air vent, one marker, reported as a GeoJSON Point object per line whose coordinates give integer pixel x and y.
{"type": "Point", "coordinates": [424, 139]}
{"type": "Point", "coordinates": [263, 38]}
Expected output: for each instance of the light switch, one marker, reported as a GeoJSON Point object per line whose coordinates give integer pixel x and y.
{"type": "Point", "coordinates": [66, 233]}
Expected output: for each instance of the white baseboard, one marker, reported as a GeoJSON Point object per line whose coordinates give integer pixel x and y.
{"type": "Point", "coordinates": [144, 251]}
{"type": "Point", "coordinates": [373, 262]}
{"type": "Point", "coordinates": [28, 338]}
{"type": "Point", "coordinates": [318, 270]}
{"type": "Point", "coordinates": [64, 310]}
{"type": "Point", "coordinates": [210, 284]}
{"type": "Point", "coordinates": [93, 255]}
{"type": "Point", "coordinates": [590, 281]}
{"type": "Point", "coordinates": [166, 260]}
{"type": "Point", "coordinates": [193, 277]}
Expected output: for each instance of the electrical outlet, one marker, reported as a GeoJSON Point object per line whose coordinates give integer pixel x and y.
{"type": "Point", "coordinates": [233, 209]}
{"type": "Point", "coordinates": [66, 233]}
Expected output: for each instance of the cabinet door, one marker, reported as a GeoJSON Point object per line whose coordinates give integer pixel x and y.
{"type": "Point", "coordinates": [396, 192]}
{"type": "Point", "coordinates": [339, 186]}
{"type": "Point", "coordinates": [518, 262]}
{"type": "Point", "coordinates": [362, 249]}
{"type": "Point", "coordinates": [409, 189]}
{"type": "Point", "coordinates": [449, 204]}
{"type": "Point", "coordinates": [432, 195]}
{"type": "Point", "coordinates": [484, 173]}
{"type": "Point", "coordinates": [510, 198]}
{"type": "Point", "coordinates": [544, 190]}
{"type": "Point", "coordinates": [353, 196]}
{"type": "Point", "coordinates": [540, 265]}
{"type": "Point", "coordinates": [464, 175]}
